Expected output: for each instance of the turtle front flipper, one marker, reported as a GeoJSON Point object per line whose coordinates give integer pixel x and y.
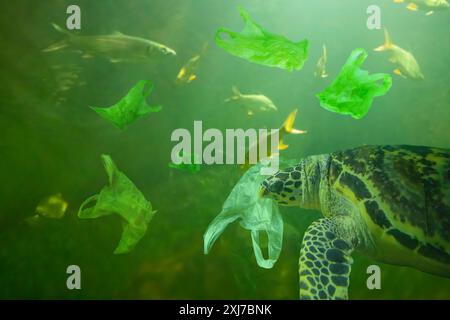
{"type": "Point", "coordinates": [325, 262]}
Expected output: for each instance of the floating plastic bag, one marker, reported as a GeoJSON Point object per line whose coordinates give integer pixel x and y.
{"type": "Point", "coordinates": [259, 46]}
{"type": "Point", "coordinates": [353, 90]}
{"type": "Point", "coordinates": [123, 198]}
{"type": "Point", "coordinates": [187, 163]}
{"type": "Point", "coordinates": [257, 215]}
{"type": "Point", "coordinates": [131, 107]}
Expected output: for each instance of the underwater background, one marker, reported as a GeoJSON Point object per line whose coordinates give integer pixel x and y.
{"type": "Point", "coordinates": [51, 142]}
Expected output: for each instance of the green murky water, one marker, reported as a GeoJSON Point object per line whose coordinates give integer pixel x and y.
{"type": "Point", "coordinates": [51, 142]}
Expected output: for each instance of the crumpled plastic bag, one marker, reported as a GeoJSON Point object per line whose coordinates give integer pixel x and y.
{"type": "Point", "coordinates": [259, 46]}
{"type": "Point", "coordinates": [353, 90]}
{"type": "Point", "coordinates": [120, 197]}
{"type": "Point", "coordinates": [186, 162]}
{"type": "Point", "coordinates": [131, 107]}
{"type": "Point", "coordinates": [257, 215]}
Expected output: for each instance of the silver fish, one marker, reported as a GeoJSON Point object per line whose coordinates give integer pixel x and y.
{"type": "Point", "coordinates": [407, 64]}
{"type": "Point", "coordinates": [116, 47]}
{"type": "Point", "coordinates": [252, 102]}
{"type": "Point", "coordinates": [321, 66]}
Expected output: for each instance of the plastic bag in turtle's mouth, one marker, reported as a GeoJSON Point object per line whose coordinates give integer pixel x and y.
{"type": "Point", "coordinates": [257, 215]}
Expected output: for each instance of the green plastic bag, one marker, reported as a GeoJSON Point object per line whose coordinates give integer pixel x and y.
{"type": "Point", "coordinates": [354, 89]}
{"type": "Point", "coordinates": [257, 215]}
{"type": "Point", "coordinates": [120, 197]}
{"type": "Point", "coordinates": [259, 46]}
{"type": "Point", "coordinates": [131, 107]}
{"type": "Point", "coordinates": [187, 163]}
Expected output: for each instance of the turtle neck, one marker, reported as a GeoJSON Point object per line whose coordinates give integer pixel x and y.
{"type": "Point", "coordinates": [314, 170]}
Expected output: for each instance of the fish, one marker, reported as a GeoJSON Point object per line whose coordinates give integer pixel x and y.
{"type": "Point", "coordinates": [252, 102]}
{"type": "Point", "coordinates": [51, 207]}
{"type": "Point", "coordinates": [64, 78]}
{"type": "Point", "coordinates": [408, 67]}
{"type": "Point", "coordinates": [426, 5]}
{"type": "Point", "coordinates": [188, 72]}
{"type": "Point", "coordinates": [286, 129]}
{"type": "Point", "coordinates": [116, 47]}
{"type": "Point", "coordinates": [322, 64]}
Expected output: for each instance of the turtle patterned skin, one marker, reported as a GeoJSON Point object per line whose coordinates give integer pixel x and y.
{"type": "Point", "coordinates": [391, 203]}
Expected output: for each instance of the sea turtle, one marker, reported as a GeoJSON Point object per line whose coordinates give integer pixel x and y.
{"type": "Point", "coordinates": [391, 203]}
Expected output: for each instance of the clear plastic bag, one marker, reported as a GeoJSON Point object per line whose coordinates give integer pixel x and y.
{"type": "Point", "coordinates": [120, 197]}
{"type": "Point", "coordinates": [257, 215]}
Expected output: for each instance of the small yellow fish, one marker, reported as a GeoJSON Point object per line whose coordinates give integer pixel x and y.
{"type": "Point", "coordinates": [188, 72]}
{"type": "Point", "coordinates": [52, 207]}
{"type": "Point", "coordinates": [322, 64]}
{"type": "Point", "coordinates": [407, 64]}
{"type": "Point", "coordinates": [286, 128]}
{"type": "Point", "coordinates": [426, 5]}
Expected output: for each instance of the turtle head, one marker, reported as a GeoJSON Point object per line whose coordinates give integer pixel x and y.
{"type": "Point", "coordinates": [298, 185]}
{"type": "Point", "coordinates": [285, 187]}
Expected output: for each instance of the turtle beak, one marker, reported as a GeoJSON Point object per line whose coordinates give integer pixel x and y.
{"type": "Point", "coordinates": [263, 192]}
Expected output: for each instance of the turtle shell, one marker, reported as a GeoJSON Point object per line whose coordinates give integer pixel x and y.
{"type": "Point", "coordinates": [403, 193]}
